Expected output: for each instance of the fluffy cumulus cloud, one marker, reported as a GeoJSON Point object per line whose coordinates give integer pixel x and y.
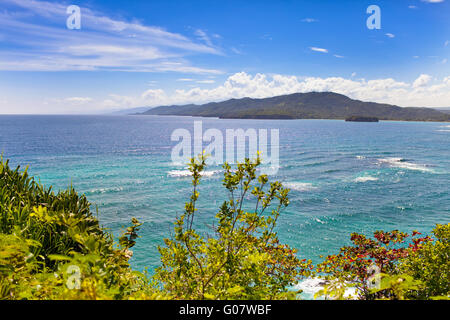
{"type": "Point", "coordinates": [422, 81]}
{"type": "Point", "coordinates": [424, 91]}
{"type": "Point", "coordinates": [421, 92]}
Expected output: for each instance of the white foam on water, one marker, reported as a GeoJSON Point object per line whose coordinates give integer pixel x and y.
{"type": "Point", "coordinates": [300, 186]}
{"type": "Point", "coordinates": [209, 173]}
{"type": "Point", "coordinates": [311, 286]}
{"type": "Point", "coordinates": [319, 221]}
{"type": "Point", "coordinates": [360, 157]}
{"type": "Point", "coordinates": [187, 173]}
{"type": "Point", "coordinates": [402, 163]}
{"type": "Point", "coordinates": [443, 130]}
{"type": "Point", "coordinates": [179, 173]}
{"type": "Point", "coordinates": [106, 190]}
{"type": "Point", "coordinates": [365, 179]}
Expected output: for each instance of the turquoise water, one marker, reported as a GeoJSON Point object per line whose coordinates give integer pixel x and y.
{"type": "Point", "coordinates": [344, 177]}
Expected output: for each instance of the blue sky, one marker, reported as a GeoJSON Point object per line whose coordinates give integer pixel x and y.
{"type": "Point", "coordinates": [147, 53]}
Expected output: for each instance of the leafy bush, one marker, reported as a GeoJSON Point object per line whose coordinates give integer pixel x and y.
{"type": "Point", "coordinates": [51, 244]}
{"type": "Point", "coordinates": [37, 213]}
{"type": "Point", "coordinates": [52, 247]}
{"type": "Point", "coordinates": [386, 268]}
{"type": "Point", "coordinates": [244, 258]}
{"type": "Point", "coordinates": [431, 265]}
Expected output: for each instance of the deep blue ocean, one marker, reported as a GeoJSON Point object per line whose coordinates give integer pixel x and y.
{"type": "Point", "coordinates": [344, 177]}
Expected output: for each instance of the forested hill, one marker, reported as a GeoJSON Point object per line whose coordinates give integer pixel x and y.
{"type": "Point", "coordinates": [312, 105]}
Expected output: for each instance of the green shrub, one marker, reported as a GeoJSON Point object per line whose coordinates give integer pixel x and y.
{"type": "Point", "coordinates": [52, 247]}
{"type": "Point", "coordinates": [37, 213]}
{"type": "Point", "coordinates": [388, 267]}
{"type": "Point", "coordinates": [431, 265]}
{"type": "Point", "coordinates": [243, 259]}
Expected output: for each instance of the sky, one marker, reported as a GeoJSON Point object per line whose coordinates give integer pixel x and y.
{"type": "Point", "coordinates": [130, 53]}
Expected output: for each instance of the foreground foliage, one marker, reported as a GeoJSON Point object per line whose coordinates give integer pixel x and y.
{"type": "Point", "coordinates": [53, 247]}
{"type": "Point", "coordinates": [389, 267]}
{"type": "Point", "coordinates": [244, 259]}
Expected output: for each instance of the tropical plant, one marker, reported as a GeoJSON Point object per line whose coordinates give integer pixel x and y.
{"type": "Point", "coordinates": [244, 259]}
{"type": "Point", "coordinates": [362, 264]}
{"type": "Point", "coordinates": [431, 265]}
{"type": "Point", "coordinates": [52, 246]}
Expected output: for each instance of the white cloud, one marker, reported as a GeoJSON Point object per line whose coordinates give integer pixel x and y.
{"type": "Point", "coordinates": [206, 81]}
{"type": "Point", "coordinates": [446, 43]}
{"type": "Point", "coordinates": [266, 37]}
{"type": "Point", "coordinates": [390, 35]}
{"type": "Point", "coordinates": [447, 81]}
{"type": "Point", "coordinates": [242, 84]}
{"type": "Point", "coordinates": [338, 56]}
{"type": "Point", "coordinates": [151, 94]}
{"type": "Point", "coordinates": [433, 1]}
{"type": "Point", "coordinates": [203, 36]}
{"type": "Point", "coordinates": [103, 43]}
{"type": "Point", "coordinates": [78, 100]}
{"type": "Point", "coordinates": [412, 7]}
{"type": "Point", "coordinates": [235, 50]}
{"type": "Point", "coordinates": [319, 49]}
{"type": "Point", "coordinates": [309, 20]}
{"type": "Point", "coordinates": [422, 80]}
{"type": "Point", "coordinates": [420, 92]}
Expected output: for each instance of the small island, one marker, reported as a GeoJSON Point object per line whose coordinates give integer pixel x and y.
{"type": "Point", "coordinates": [362, 119]}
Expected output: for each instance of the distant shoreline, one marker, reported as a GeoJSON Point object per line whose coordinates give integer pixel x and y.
{"type": "Point", "coordinates": [206, 117]}
{"type": "Point", "coordinates": [284, 119]}
{"type": "Point", "coordinates": [310, 105]}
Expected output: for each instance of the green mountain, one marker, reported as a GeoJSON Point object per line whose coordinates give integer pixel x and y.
{"type": "Point", "coordinates": [312, 105]}
{"type": "Point", "coordinates": [444, 110]}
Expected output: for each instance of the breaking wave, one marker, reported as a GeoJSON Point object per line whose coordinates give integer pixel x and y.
{"type": "Point", "coordinates": [311, 286]}
{"type": "Point", "coordinates": [300, 186]}
{"type": "Point", "coordinates": [404, 164]}
{"type": "Point", "coordinates": [365, 179]}
{"type": "Point", "coordinates": [187, 173]}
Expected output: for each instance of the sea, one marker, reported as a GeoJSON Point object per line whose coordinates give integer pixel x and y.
{"type": "Point", "coordinates": [344, 176]}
